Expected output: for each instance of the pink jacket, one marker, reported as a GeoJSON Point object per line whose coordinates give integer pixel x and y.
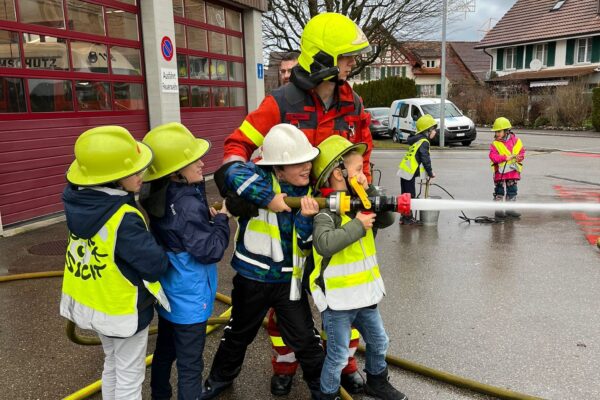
{"type": "Point", "coordinates": [498, 158]}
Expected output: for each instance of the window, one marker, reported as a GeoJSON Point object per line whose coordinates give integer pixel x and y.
{"type": "Point", "coordinates": [430, 63]}
{"type": "Point", "coordinates": [121, 24]}
{"type": "Point", "coordinates": [215, 15]}
{"type": "Point", "coordinates": [128, 96]}
{"type": "Point", "coordinates": [233, 20]}
{"type": "Point", "coordinates": [7, 11]}
{"type": "Point", "coordinates": [10, 57]}
{"type": "Point", "coordinates": [540, 52]}
{"type": "Point", "coordinates": [220, 97]}
{"type": "Point", "coordinates": [12, 95]}
{"type": "Point", "coordinates": [45, 52]}
{"type": "Point", "coordinates": [125, 61]}
{"type": "Point", "coordinates": [427, 90]}
{"type": "Point", "coordinates": [415, 113]}
{"type": "Point", "coordinates": [584, 50]}
{"type": "Point", "coordinates": [510, 58]}
{"type": "Point", "coordinates": [237, 97]}
{"type": "Point", "coordinates": [199, 68]}
{"type": "Point", "coordinates": [194, 9]}
{"type": "Point", "coordinates": [558, 5]}
{"type": "Point", "coordinates": [197, 39]}
{"type": "Point", "coordinates": [92, 96]}
{"type": "Point", "coordinates": [216, 43]}
{"type": "Point", "coordinates": [85, 17]}
{"type": "Point", "coordinates": [50, 15]}
{"type": "Point", "coordinates": [218, 70]}
{"type": "Point", "coordinates": [180, 36]}
{"type": "Point", "coordinates": [50, 95]}
{"type": "Point", "coordinates": [89, 57]}
{"type": "Point", "coordinates": [200, 96]}
{"type": "Point", "coordinates": [182, 70]}
{"type": "Point", "coordinates": [234, 46]}
{"type": "Point", "coordinates": [236, 72]}
{"type": "Point", "coordinates": [184, 96]}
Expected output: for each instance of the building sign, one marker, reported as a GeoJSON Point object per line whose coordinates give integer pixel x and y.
{"type": "Point", "coordinates": [168, 80]}
{"type": "Point", "coordinates": [166, 47]}
{"type": "Point", "coordinates": [260, 71]}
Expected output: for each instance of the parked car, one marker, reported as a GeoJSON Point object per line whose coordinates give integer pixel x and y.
{"type": "Point", "coordinates": [380, 119]}
{"type": "Point", "coordinates": [404, 114]}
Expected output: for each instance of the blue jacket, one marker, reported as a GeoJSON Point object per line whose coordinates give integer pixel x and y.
{"type": "Point", "coordinates": [254, 183]}
{"type": "Point", "coordinates": [137, 254]}
{"type": "Point", "coordinates": [194, 245]}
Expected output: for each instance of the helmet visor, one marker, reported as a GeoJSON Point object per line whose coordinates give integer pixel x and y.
{"type": "Point", "coordinates": [364, 50]}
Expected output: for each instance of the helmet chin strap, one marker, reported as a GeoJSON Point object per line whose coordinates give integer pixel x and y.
{"type": "Point", "coordinates": [182, 179]}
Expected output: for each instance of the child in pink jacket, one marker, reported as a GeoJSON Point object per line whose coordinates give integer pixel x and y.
{"type": "Point", "coordinates": [506, 154]}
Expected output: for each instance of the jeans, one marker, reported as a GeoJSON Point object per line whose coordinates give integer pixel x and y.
{"type": "Point", "coordinates": [337, 326]}
{"type": "Point", "coordinates": [511, 189]}
{"type": "Point", "coordinates": [124, 366]}
{"type": "Point", "coordinates": [184, 343]}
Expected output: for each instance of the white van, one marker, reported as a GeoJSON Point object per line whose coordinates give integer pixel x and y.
{"type": "Point", "coordinates": [405, 113]}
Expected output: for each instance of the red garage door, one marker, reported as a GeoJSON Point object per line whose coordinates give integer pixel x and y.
{"type": "Point", "coordinates": [65, 66]}
{"type": "Point", "coordinates": [210, 62]}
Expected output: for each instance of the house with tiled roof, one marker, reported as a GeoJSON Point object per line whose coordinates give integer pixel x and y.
{"type": "Point", "coordinates": [421, 61]}
{"type": "Point", "coordinates": [545, 43]}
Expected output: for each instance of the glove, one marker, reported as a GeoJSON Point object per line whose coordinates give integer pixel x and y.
{"type": "Point", "coordinates": [236, 205]}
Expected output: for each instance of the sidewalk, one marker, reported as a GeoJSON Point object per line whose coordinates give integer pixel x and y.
{"type": "Point", "coordinates": [547, 132]}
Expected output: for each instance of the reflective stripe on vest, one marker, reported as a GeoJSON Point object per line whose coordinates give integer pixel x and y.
{"type": "Point", "coordinates": [502, 150]}
{"type": "Point", "coordinates": [262, 234]}
{"type": "Point", "coordinates": [252, 133]}
{"type": "Point", "coordinates": [95, 294]}
{"type": "Point", "coordinates": [351, 279]}
{"type": "Point", "coordinates": [408, 165]}
{"type": "Point", "coordinates": [354, 334]}
{"type": "Point", "coordinates": [299, 258]}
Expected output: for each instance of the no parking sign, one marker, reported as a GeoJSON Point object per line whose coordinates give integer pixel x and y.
{"type": "Point", "coordinates": [166, 47]}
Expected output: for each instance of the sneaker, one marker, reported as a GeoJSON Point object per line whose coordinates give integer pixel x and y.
{"type": "Point", "coordinates": [281, 384]}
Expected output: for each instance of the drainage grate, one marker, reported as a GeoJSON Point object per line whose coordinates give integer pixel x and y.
{"type": "Point", "coordinates": [54, 248]}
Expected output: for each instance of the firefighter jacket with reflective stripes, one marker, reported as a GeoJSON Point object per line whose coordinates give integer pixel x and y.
{"type": "Point", "coordinates": [416, 158]}
{"type": "Point", "coordinates": [500, 151]}
{"type": "Point", "coordinates": [346, 273]}
{"type": "Point", "coordinates": [289, 104]}
{"type": "Point", "coordinates": [194, 244]}
{"type": "Point", "coordinates": [95, 294]}
{"type": "Point", "coordinates": [268, 246]}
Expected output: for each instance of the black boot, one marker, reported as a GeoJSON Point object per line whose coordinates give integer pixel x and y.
{"type": "Point", "coordinates": [213, 388]}
{"type": "Point", "coordinates": [379, 386]}
{"type": "Point", "coordinates": [281, 384]}
{"type": "Point", "coordinates": [332, 396]}
{"type": "Point", "coordinates": [353, 383]}
{"type": "Point", "coordinates": [314, 385]}
{"type": "Point", "coordinates": [513, 213]}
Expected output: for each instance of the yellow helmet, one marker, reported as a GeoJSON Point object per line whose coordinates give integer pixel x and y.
{"type": "Point", "coordinates": [332, 150]}
{"type": "Point", "coordinates": [328, 36]}
{"type": "Point", "coordinates": [106, 154]}
{"type": "Point", "coordinates": [500, 124]}
{"type": "Point", "coordinates": [175, 147]}
{"type": "Point", "coordinates": [425, 123]}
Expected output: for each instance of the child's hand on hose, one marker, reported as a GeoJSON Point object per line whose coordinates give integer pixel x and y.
{"type": "Point", "coordinates": [366, 219]}
{"type": "Point", "coordinates": [308, 206]}
{"type": "Point", "coordinates": [278, 203]}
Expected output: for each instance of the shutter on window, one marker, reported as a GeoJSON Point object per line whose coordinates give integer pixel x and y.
{"type": "Point", "coordinates": [500, 60]}
{"type": "Point", "coordinates": [520, 51]}
{"type": "Point", "coordinates": [368, 73]}
{"type": "Point", "coordinates": [404, 72]}
{"type": "Point", "coordinates": [596, 49]}
{"type": "Point", "coordinates": [551, 54]}
{"type": "Point", "coordinates": [438, 89]}
{"type": "Point", "coordinates": [528, 55]}
{"type": "Point", "coordinates": [382, 72]}
{"type": "Point", "coordinates": [570, 59]}
{"type": "Point", "coordinates": [418, 90]}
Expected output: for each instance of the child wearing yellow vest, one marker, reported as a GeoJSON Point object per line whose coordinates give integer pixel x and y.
{"type": "Point", "coordinates": [346, 284]}
{"type": "Point", "coordinates": [111, 257]}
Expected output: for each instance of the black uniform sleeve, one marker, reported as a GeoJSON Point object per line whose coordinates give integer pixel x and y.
{"type": "Point", "coordinates": [424, 158]}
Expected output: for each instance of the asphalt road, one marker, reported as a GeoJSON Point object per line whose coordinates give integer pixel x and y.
{"type": "Point", "coordinates": [513, 305]}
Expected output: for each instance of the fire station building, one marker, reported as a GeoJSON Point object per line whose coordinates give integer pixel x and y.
{"type": "Point", "coordinates": [70, 65]}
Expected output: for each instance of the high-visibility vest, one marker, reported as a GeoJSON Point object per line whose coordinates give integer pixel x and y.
{"type": "Point", "coordinates": [503, 150]}
{"type": "Point", "coordinates": [263, 237]}
{"type": "Point", "coordinates": [408, 165]}
{"type": "Point", "coordinates": [351, 280]}
{"type": "Point", "coordinates": [95, 294]}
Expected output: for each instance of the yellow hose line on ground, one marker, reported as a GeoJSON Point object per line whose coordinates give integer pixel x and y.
{"type": "Point", "coordinates": [442, 376]}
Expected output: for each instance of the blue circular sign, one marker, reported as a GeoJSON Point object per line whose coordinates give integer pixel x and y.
{"type": "Point", "coordinates": [166, 47]}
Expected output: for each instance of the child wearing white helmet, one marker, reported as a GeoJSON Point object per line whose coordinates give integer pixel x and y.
{"type": "Point", "coordinates": [506, 155]}
{"type": "Point", "coordinates": [195, 237]}
{"type": "Point", "coordinates": [105, 284]}
{"type": "Point", "coordinates": [270, 251]}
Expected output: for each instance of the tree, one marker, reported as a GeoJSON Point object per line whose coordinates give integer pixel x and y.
{"type": "Point", "coordinates": [384, 22]}
{"type": "Point", "coordinates": [383, 92]}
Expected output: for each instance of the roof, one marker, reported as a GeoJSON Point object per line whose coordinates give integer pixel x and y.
{"type": "Point", "coordinates": [533, 20]}
{"type": "Point", "coordinates": [546, 74]}
{"type": "Point", "coordinates": [424, 100]}
{"type": "Point", "coordinates": [475, 59]}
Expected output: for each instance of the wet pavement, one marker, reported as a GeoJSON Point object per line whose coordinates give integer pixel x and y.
{"type": "Point", "coordinates": [513, 305]}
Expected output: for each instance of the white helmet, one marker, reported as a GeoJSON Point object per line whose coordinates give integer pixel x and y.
{"type": "Point", "coordinates": [286, 145]}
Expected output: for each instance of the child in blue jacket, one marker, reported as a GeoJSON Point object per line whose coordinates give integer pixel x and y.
{"type": "Point", "coordinates": [195, 237]}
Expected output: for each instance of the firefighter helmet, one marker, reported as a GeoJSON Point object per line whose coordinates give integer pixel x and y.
{"type": "Point", "coordinates": [286, 145]}
{"type": "Point", "coordinates": [501, 124]}
{"type": "Point", "coordinates": [333, 149]}
{"type": "Point", "coordinates": [107, 154]}
{"type": "Point", "coordinates": [174, 147]}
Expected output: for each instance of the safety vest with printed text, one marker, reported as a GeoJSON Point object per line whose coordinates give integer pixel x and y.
{"type": "Point", "coordinates": [95, 294]}
{"type": "Point", "coordinates": [351, 280]}
{"type": "Point", "coordinates": [409, 164]}
{"type": "Point", "coordinates": [503, 150]}
{"type": "Point", "coordinates": [262, 237]}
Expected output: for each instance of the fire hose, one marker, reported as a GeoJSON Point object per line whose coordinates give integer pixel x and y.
{"type": "Point", "coordinates": [407, 365]}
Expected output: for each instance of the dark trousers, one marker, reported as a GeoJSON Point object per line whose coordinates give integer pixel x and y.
{"type": "Point", "coordinates": [408, 186]}
{"type": "Point", "coordinates": [511, 189]}
{"type": "Point", "coordinates": [251, 300]}
{"type": "Point", "coordinates": [184, 343]}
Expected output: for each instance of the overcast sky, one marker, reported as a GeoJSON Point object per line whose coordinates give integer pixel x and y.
{"type": "Point", "coordinates": [471, 28]}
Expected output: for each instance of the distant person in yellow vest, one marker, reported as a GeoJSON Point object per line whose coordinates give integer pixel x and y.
{"type": "Point", "coordinates": [288, 61]}
{"type": "Point", "coordinates": [417, 160]}
{"type": "Point", "coordinates": [346, 284]}
{"type": "Point", "coordinates": [111, 257]}
{"type": "Point", "coordinates": [195, 237]}
{"type": "Point", "coordinates": [506, 155]}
